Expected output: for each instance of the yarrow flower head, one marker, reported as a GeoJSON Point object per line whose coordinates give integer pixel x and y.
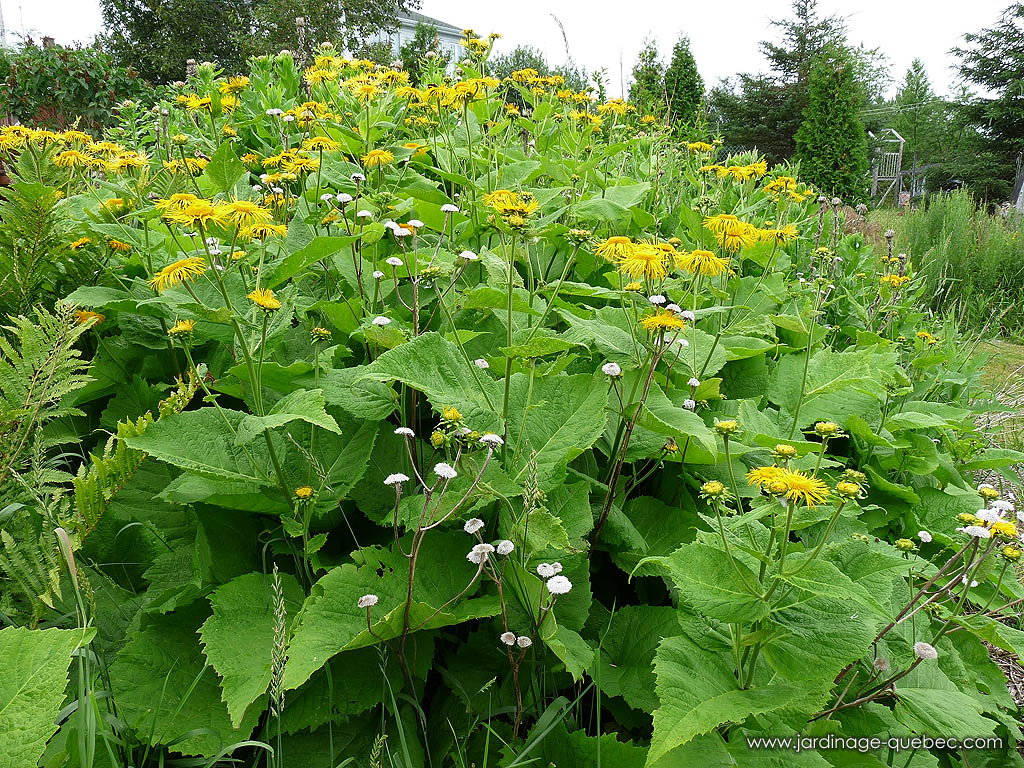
{"type": "Point", "coordinates": [523, 641]}
{"type": "Point", "coordinates": [924, 536]}
{"type": "Point", "coordinates": [491, 439]}
{"type": "Point", "coordinates": [611, 369]}
{"type": "Point", "coordinates": [925, 651]}
{"type": "Point", "coordinates": [546, 570]}
{"type": "Point", "coordinates": [504, 547]}
{"type": "Point", "coordinates": [368, 601]}
{"type": "Point", "coordinates": [479, 553]}
{"type": "Point", "coordinates": [508, 638]}
{"type": "Point", "coordinates": [396, 478]}
{"type": "Point", "coordinates": [473, 525]}
{"type": "Point", "coordinates": [404, 432]}
{"type": "Point", "coordinates": [445, 470]}
{"type": "Point", "coordinates": [481, 363]}
{"type": "Point", "coordinates": [380, 320]}
{"type": "Point", "coordinates": [559, 585]}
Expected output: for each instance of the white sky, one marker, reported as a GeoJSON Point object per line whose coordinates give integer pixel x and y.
{"type": "Point", "coordinates": [724, 34]}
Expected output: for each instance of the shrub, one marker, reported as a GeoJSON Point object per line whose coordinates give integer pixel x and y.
{"type": "Point", "coordinates": [58, 87]}
{"type": "Point", "coordinates": [972, 262]}
{"type": "Point", "coordinates": [417, 425]}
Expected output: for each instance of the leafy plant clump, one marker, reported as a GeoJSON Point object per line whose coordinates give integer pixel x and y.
{"type": "Point", "coordinates": [430, 426]}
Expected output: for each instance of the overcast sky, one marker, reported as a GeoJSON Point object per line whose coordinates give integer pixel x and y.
{"type": "Point", "coordinates": [724, 33]}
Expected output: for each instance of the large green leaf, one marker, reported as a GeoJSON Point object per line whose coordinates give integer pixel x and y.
{"type": "Point", "coordinates": [561, 416]}
{"type": "Point", "coordinates": [204, 442]}
{"type": "Point", "coordinates": [165, 690]}
{"type": "Point", "coordinates": [438, 369]}
{"type": "Point", "coordinates": [224, 169]}
{"type": "Point", "coordinates": [239, 638]}
{"type": "Point", "coordinates": [301, 405]}
{"type": "Point", "coordinates": [626, 663]}
{"type": "Point", "coordinates": [698, 692]}
{"type": "Point", "coordinates": [331, 621]}
{"type": "Point", "coordinates": [32, 685]}
{"type": "Point", "coordinates": [715, 587]}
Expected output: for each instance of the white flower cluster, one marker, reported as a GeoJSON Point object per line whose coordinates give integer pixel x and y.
{"type": "Point", "coordinates": [510, 639]}
{"type": "Point", "coordinates": [368, 601]}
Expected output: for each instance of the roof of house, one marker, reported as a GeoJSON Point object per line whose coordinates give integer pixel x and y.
{"type": "Point", "coordinates": [442, 26]}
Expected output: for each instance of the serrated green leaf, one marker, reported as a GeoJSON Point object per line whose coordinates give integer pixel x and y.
{"type": "Point", "coordinates": [238, 639]}
{"type": "Point", "coordinates": [32, 689]}
{"type": "Point", "coordinates": [301, 405]}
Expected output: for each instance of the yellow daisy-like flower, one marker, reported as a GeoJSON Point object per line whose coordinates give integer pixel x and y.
{"type": "Point", "coordinates": [720, 222]}
{"type": "Point", "coordinates": [1000, 527]}
{"type": "Point", "coordinates": [780, 235]}
{"type": "Point", "coordinates": [791, 483]}
{"type": "Point", "coordinates": [72, 158]}
{"type": "Point", "coordinates": [320, 144]}
{"type": "Point", "coordinates": [79, 243]}
{"type": "Point", "coordinates": [700, 146]}
{"type": "Point", "coordinates": [264, 298]}
{"type": "Point", "coordinates": [118, 246]}
{"type": "Point", "coordinates": [182, 328]}
{"type": "Point", "coordinates": [377, 157]}
{"type": "Point", "coordinates": [262, 230]}
{"type": "Point", "coordinates": [304, 493]}
{"type": "Point", "coordinates": [83, 316]}
{"type": "Point", "coordinates": [663, 320]}
{"type": "Point", "coordinates": [199, 212]}
{"type": "Point", "coordinates": [299, 164]}
{"type": "Point", "coordinates": [615, 248]}
{"type": "Point", "coordinates": [634, 286]}
{"type": "Point", "coordinates": [702, 263]}
{"type": "Point", "coordinates": [244, 213]}
{"type": "Point", "coordinates": [737, 236]}
{"type": "Point", "coordinates": [646, 261]}
{"type": "Point", "coordinates": [235, 84]}
{"type": "Point", "coordinates": [178, 273]}
{"type": "Point", "coordinates": [894, 281]}
{"type": "Point", "coordinates": [365, 92]}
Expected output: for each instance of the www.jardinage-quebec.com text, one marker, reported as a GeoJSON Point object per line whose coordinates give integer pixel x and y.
{"type": "Point", "coordinates": [800, 743]}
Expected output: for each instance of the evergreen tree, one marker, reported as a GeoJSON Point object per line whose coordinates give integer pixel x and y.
{"type": "Point", "coordinates": [919, 116]}
{"type": "Point", "coordinates": [993, 59]}
{"type": "Point", "coordinates": [684, 87]}
{"type": "Point", "coordinates": [831, 143]}
{"type": "Point", "coordinates": [765, 110]}
{"type": "Point", "coordinates": [424, 41]}
{"type": "Point", "coordinates": [647, 87]}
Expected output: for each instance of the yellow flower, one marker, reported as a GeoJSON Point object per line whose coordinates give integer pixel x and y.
{"type": "Point", "coordinates": [83, 316]}
{"type": "Point", "coordinates": [1004, 528]}
{"type": "Point", "coordinates": [198, 212]}
{"type": "Point", "coordinates": [118, 246]}
{"type": "Point", "coordinates": [450, 413]}
{"type": "Point", "coordinates": [634, 286]}
{"type": "Point", "coordinates": [265, 299]}
{"type": "Point", "coordinates": [377, 157]}
{"type": "Point", "coordinates": [71, 158]}
{"type": "Point", "coordinates": [182, 328]}
{"type": "Point", "coordinates": [181, 271]}
{"type": "Point", "coordinates": [299, 164]}
{"type": "Point", "coordinates": [646, 261]}
{"type": "Point", "coordinates": [318, 333]}
{"type": "Point", "coordinates": [848, 490]}
{"type": "Point", "coordinates": [244, 213]}
{"type": "Point", "coordinates": [320, 144]}
{"type": "Point", "coordinates": [615, 248]}
{"type": "Point", "coordinates": [700, 146]}
{"type": "Point", "coordinates": [894, 281]}
{"type": "Point", "coordinates": [234, 84]}
{"type": "Point", "coordinates": [261, 231]}
{"type": "Point", "coordinates": [720, 223]}
{"type": "Point", "coordinates": [702, 263]}
{"type": "Point", "coordinates": [304, 493]}
{"type": "Point", "coordinates": [781, 235]}
{"type": "Point", "coordinates": [79, 243]}
{"type": "Point", "coordinates": [791, 483]}
{"type": "Point", "coordinates": [663, 320]}
{"type": "Point", "coordinates": [508, 203]}
{"type": "Point", "coordinates": [737, 236]}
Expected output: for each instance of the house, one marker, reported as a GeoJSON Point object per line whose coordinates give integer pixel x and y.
{"type": "Point", "coordinates": [448, 35]}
